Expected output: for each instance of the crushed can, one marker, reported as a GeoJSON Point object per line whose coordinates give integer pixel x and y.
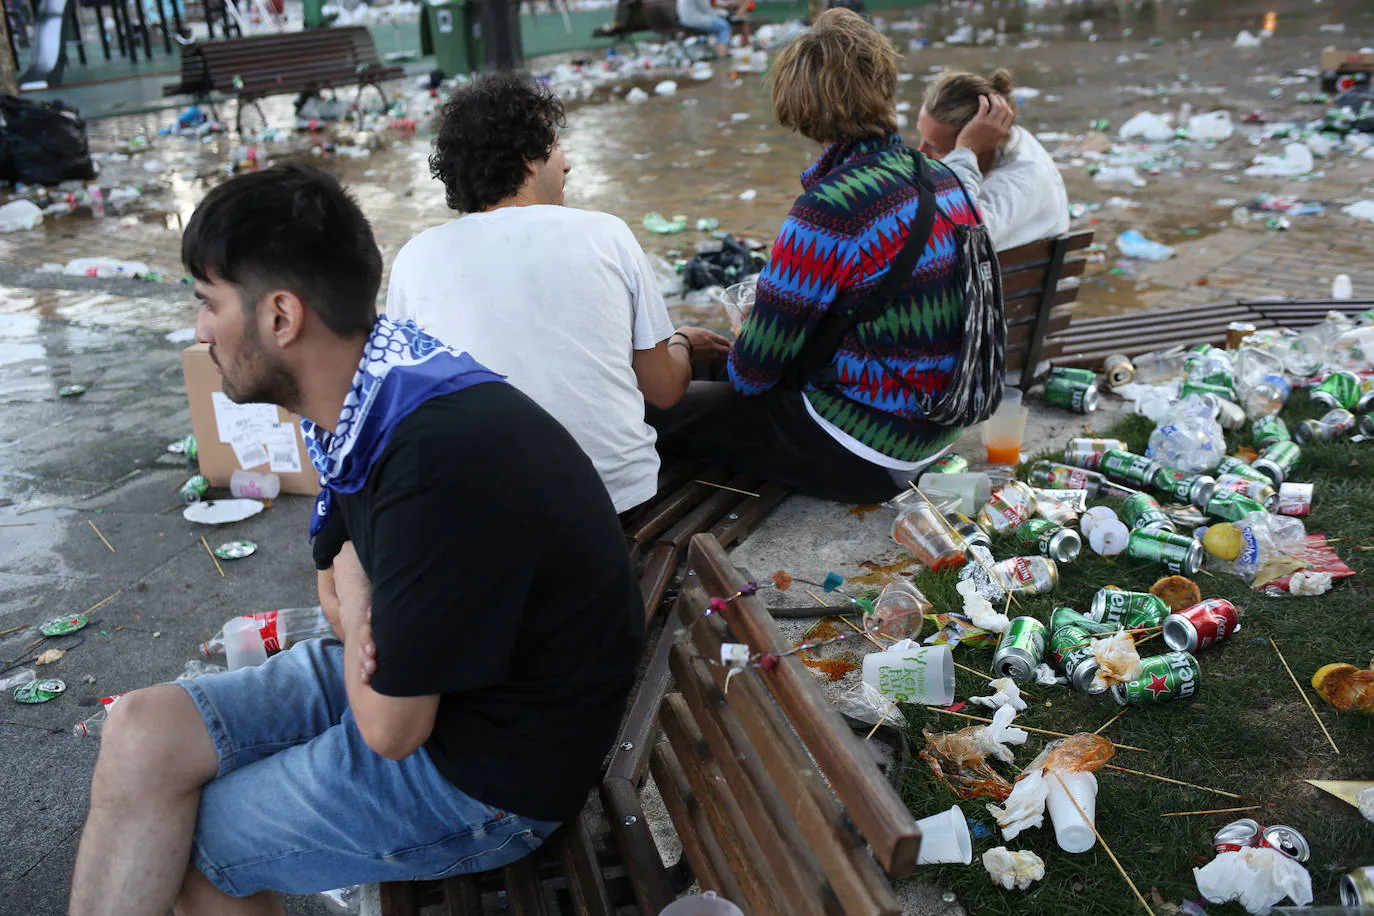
{"type": "Point", "coordinates": [972, 532]}
{"type": "Point", "coordinates": [1261, 492]}
{"type": "Point", "coordinates": [1050, 475]}
{"type": "Point", "coordinates": [1128, 610]}
{"type": "Point", "coordinates": [1050, 540]}
{"type": "Point", "coordinates": [1202, 625]}
{"type": "Point", "coordinates": [1357, 887]}
{"type": "Point", "coordinates": [1068, 617]}
{"type": "Point", "coordinates": [1339, 389]}
{"type": "Point", "coordinates": [1242, 833]}
{"type": "Point", "coordinates": [1073, 655]}
{"type": "Point", "coordinates": [1021, 649]}
{"type": "Point", "coordinates": [1331, 425]}
{"type": "Point", "coordinates": [1268, 430]}
{"type": "Point", "coordinates": [1063, 507]}
{"type": "Point", "coordinates": [1230, 506]}
{"type": "Point", "coordinates": [1026, 575]}
{"type": "Point", "coordinates": [1238, 467]}
{"type": "Point", "coordinates": [1162, 679]}
{"type": "Point", "coordinates": [194, 489]}
{"type": "Point", "coordinates": [1118, 370]}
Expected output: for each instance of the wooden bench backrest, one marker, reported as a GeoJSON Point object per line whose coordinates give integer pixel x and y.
{"type": "Point", "coordinates": [1027, 273]}
{"type": "Point", "coordinates": [285, 62]}
{"type": "Point", "coordinates": [774, 797]}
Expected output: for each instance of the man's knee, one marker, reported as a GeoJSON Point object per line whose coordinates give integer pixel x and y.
{"type": "Point", "coordinates": [155, 738]}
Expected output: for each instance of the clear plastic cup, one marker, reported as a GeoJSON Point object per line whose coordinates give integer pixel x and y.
{"type": "Point", "coordinates": [898, 611]}
{"type": "Point", "coordinates": [923, 531]}
{"type": "Point", "coordinates": [1004, 431]}
{"type": "Point", "coordinates": [1070, 830]}
{"type": "Point", "coordinates": [739, 302]}
{"type": "Point", "coordinates": [704, 904]}
{"type": "Point", "coordinates": [921, 674]}
{"type": "Point", "coordinates": [966, 492]}
{"type": "Point", "coordinates": [243, 646]}
{"type": "Point", "coordinates": [945, 839]}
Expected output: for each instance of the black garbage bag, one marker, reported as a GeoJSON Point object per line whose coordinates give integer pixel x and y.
{"type": "Point", "coordinates": [725, 266]}
{"type": "Point", "coordinates": [1360, 105]}
{"type": "Point", "coordinates": [42, 143]}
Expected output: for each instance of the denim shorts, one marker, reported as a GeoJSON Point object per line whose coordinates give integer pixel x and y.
{"type": "Point", "coordinates": [301, 804]}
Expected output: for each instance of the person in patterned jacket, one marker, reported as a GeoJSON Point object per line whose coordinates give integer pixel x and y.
{"type": "Point", "coordinates": [852, 432]}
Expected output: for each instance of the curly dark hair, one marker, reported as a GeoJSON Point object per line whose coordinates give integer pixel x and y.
{"type": "Point", "coordinates": [492, 127]}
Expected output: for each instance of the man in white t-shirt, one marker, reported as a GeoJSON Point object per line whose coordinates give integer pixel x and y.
{"type": "Point", "coordinates": [561, 301]}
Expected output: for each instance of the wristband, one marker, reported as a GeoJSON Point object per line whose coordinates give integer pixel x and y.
{"type": "Point", "coordinates": [685, 342]}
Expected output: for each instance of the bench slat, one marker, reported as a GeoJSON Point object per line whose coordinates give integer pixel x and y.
{"type": "Point", "coordinates": [524, 893]}
{"type": "Point", "coordinates": [868, 798]}
{"type": "Point", "coordinates": [1040, 251]}
{"type": "Point", "coordinates": [577, 854]}
{"type": "Point", "coordinates": [698, 845]}
{"type": "Point", "coordinates": [462, 897]}
{"type": "Point", "coordinates": [643, 866]}
{"type": "Point", "coordinates": [1028, 282]}
{"type": "Point", "coordinates": [747, 513]}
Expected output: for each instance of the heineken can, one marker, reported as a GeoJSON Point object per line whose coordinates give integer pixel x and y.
{"type": "Point", "coordinates": [1008, 508]}
{"type": "Point", "coordinates": [1129, 610]}
{"type": "Point", "coordinates": [1050, 540]}
{"type": "Point", "coordinates": [1072, 653]}
{"type": "Point", "coordinates": [1357, 888]}
{"type": "Point", "coordinates": [1339, 389]}
{"type": "Point", "coordinates": [1201, 625]}
{"type": "Point", "coordinates": [1142, 511]}
{"type": "Point", "coordinates": [1269, 430]}
{"type": "Point", "coordinates": [194, 490]}
{"type": "Point", "coordinates": [1278, 460]}
{"type": "Point", "coordinates": [1128, 468]}
{"type": "Point", "coordinates": [968, 529]}
{"type": "Point", "coordinates": [1331, 425]}
{"type": "Point", "coordinates": [1082, 376]}
{"type": "Point", "coordinates": [1231, 506]}
{"type": "Point", "coordinates": [1286, 840]}
{"type": "Point", "coordinates": [1183, 487]}
{"type": "Point", "coordinates": [1179, 553]}
{"type": "Point", "coordinates": [1053, 476]}
{"type": "Point", "coordinates": [1225, 392]}
{"type": "Point", "coordinates": [1171, 676]}
{"type": "Point", "coordinates": [1071, 394]}
{"type": "Point", "coordinates": [1026, 575]}
{"type": "Point", "coordinates": [1068, 617]}
{"type": "Point", "coordinates": [1261, 492]}
{"type": "Point", "coordinates": [950, 464]}
{"type": "Point", "coordinates": [1021, 649]}
{"type": "Point", "coordinates": [39, 691]}
{"type": "Point", "coordinates": [1240, 468]}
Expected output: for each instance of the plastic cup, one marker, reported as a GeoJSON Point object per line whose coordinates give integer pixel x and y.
{"type": "Point", "coordinates": [970, 490]}
{"type": "Point", "coordinates": [921, 674]}
{"type": "Point", "coordinates": [945, 839]}
{"type": "Point", "coordinates": [705, 904]}
{"type": "Point", "coordinates": [243, 646]}
{"type": "Point", "coordinates": [923, 531]}
{"type": "Point", "coordinates": [254, 485]}
{"type": "Point", "coordinates": [1072, 832]}
{"type": "Point", "coordinates": [739, 302]}
{"type": "Point", "coordinates": [1005, 429]}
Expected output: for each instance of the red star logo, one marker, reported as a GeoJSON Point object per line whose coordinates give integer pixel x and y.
{"type": "Point", "coordinates": [1158, 684]}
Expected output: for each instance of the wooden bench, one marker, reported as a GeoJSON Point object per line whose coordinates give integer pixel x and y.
{"type": "Point", "coordinates": [258, 66]}
{"type": "Point", "coordinates": [578, 870]}
{"type": "Point", "coordinates": [1091, 340]}
{"type": "Point", "coordinates": [1035, 304]}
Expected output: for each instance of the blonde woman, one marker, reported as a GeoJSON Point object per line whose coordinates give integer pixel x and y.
{"type": "Point", "coordinates": [968, 122]}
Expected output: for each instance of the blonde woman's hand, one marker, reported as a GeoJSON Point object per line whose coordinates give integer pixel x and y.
{"type": "Point", "coordinates": [989, 128]}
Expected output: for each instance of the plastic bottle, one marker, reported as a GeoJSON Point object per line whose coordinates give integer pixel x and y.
{"type": "Point", "coordinates": [93, 726]}
{"type": "Point", "coordinates": [243, 644]}
{"type": "Point", "coordinates": [254, 485]}
{"type": "Point", "coordinates": [16, 678]}
{"type": "Point", "coordinates": [1152, 368]}
{"type": "Point", "coordinates": [280, 629]}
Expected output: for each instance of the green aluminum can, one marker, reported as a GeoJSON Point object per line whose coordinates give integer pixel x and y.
{"type": "Point", "coordinates": [1050, 540]}
{"type": "Point", "coordinates": [1179, 553]}
{"type": "Point", "coordinates": [1183, 487]}
{"type": "Point", "coordinates": [1068, 617]}
{"type": "Point", "coordinates": [1071, 394]}
{"type": "Point", "coordinates": [1074, 659]}
{"type": "Point", "coordinates": [1278, 460]}
{"type": "Point", "coordinates": [1171, 676]}
{"type": "Point", "coordinates": [1240, 469]}
{"type": "Point", "coordinates": [1021, 649]}
{"type": "Point", "coordinates": [1131, 610]}
{"type": "Point", "coordinates": [1232, 506]}
{"type": "Point", "coordinates": [1339, 389]}
{"type": "Point", "coordinates": [1143, 511]}
{"type": "Point", "coordinates": [1269, 430]}
{"type": "Point", "coordinates": [1085, 376]}
{"type": "Point", "coordinates": [1195, 387]}
{"type": "Point", "coordinates": [1127, 467]}
{"type": "Point", "coordinates": [194, 490]}
{"type": "Point", "coordinates": [950, 464]}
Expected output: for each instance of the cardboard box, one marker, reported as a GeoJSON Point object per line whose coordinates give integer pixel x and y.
{"type": "Point", "coordinates": [228, 433]}
{"type": "Point", "coordinates": [1346, 70]}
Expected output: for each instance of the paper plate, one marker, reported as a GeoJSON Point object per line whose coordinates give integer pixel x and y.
{"type": "Point", "coordinates": [221, 511]}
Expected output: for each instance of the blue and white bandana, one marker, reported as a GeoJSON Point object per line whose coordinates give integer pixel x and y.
{"type": "Point", "coordinates": [402, 367]}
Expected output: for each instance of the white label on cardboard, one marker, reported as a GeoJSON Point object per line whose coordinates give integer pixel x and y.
{"type": "Point", "coordinates": [241, 422]}
{"type": "Point", "coordinates": [249, 452]}
{"type": "Point", "coordinates": [284, 450]}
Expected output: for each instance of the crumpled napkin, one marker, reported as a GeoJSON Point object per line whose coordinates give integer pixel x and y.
{"type": "Point", "coordinates": [1309, 584]}
{"type": "Point", "coordinates": [1005, 693]}
{"type": "Point", "coordinates": [1118, 660]}
{"type": "Point", "coordinates": [1013, 869]}
{"type": "Point", "coordinates": [1258, 877]}
{"type": "Point", "coordinates": [1025, 806]}
{"type": "Point", "coordinates": [993, 739]}
{"type": "Point", "coordinates": [979, 610]}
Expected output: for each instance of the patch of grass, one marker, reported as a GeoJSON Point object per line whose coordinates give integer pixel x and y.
{"type": "Point", "coordinates": [1246, 731]}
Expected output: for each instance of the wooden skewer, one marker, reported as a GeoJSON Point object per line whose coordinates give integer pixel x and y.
{"type": "Point", "coordinates": [876, 725]}
{"type": "Point", "coordinates": [861, 631]}
{"type": "Point", "coordinates": [1103, 727]}
{"type": "Point", "coordinates": [12, 630]}
{"type": "Point", "coordinates": [1095, 636]}
{"type": "Point", "coordinates": [989, 677]}
{"type": "Point", "coordinates": [1177, 782]}
{"type": "Point", "coordinates": [1038, 731]}
{"type": "Point", "coordinates": [18, 524]}
{"type": "Point", "coordinates": [1148, 638]}
{"type": "Point", "coordinates": [1011, 599]}
{"type": "Point", "coordinates": [1211, 811]}
{"type": "Point", "coordinates": [99, 535]}
{"type": "Point", "coordinates": [213, 559]}
{"type": "Point", "coordinates": [1303, 693]}
{"type": "Point", "coordinates": [721, 486]}
{"type": "Point", "coordinates": [1101, 839]}
{"type": "Point", "coordinates": [102, 602]}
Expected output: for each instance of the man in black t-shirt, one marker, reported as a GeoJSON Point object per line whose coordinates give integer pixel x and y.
{"type": "Point", "coordinates": [471, 563]}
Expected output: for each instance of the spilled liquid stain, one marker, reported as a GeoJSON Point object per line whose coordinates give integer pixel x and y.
{"type": "Point", "coordinates": [882, 573]}
{"type": "Point", "coordinates": [830, 662]}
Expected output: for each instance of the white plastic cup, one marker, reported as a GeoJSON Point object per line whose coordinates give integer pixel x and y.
{"type": "Point", "coordinates": [1072, 832]}
{"type": "Point", "coordinates": [971, 490]}
{"type": "Point", "coordinates": [921, 674]}
{"type": "Point", "coordinates": [254, 485]}
{"type": "Point", "coordinates": [243, 646]}
{"type": "Point", "coordinates": [704, 904]}
{"type": "Point", "coordinates": [945, 839]}
{"type": "Point", "coordinates": [1004, 431]}
{"type": "Point", "coordinates": [1341, 287]}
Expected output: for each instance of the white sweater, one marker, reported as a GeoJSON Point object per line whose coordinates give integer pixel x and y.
{"type": "Point", "coordinates": [1022, 197]}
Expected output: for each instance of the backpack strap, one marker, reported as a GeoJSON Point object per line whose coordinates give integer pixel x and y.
{"type": "Point", "coordinates": [815, 363]}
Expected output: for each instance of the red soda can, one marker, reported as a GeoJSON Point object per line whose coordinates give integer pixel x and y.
{"type": "Point", "coordinates": [1201, 625]}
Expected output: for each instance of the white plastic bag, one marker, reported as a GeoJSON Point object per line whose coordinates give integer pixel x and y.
{"type": "Point", "coordinates": [1148, 127]}
{"type": "Point", "coordinates": [1296, 160]}
{"type": "Point", "coordinates": [1212, 125]}
{"type": "Point", "coordinates": [19, 215]}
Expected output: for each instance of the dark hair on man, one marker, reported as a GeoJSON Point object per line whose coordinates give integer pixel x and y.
{"type": "Point", "coordinates": [289, 227]}
{"type": "Point", "coordinates": [492, 128]}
